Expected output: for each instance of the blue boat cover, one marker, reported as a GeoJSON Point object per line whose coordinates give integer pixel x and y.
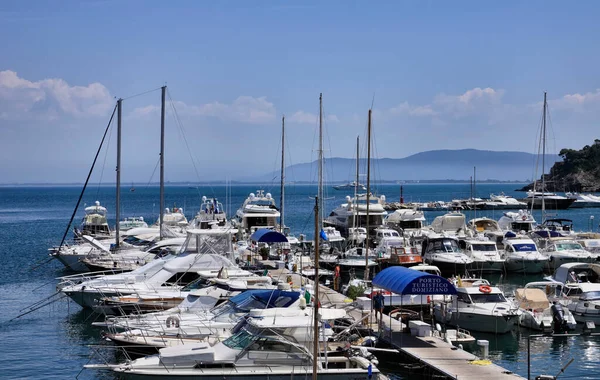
{"type": "Point", "coordinates": [402, 280]}
{"type": "Point", "coordinates": [265, 235]}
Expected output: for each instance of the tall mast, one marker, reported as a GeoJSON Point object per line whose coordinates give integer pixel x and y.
{"type": "Point", "coordinates": [474, 201]}
{"type": "Point", "coordinates": [354, 207]}
{"type": "Point", "coordinates": [543, 159]}
{"type": "Point", "coordinates": [368, 195]}
{"type": "Point", "coordinates": [118, 211]}
{"type": "Point", "coordinates": [316, 290]}
{"type": "Point", "coordinates": [162, 160]}
{"type": "Point", "coordinates": [282, 197]}
{"type": "Point", "coordinates": [320, 190]}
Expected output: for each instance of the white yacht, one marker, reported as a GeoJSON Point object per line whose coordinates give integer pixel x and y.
{"type": "Point", "coordinates": [487, 227]}
{"type": "Point", "coordinates": [450, 224]}
{"type": "Point", "coordinates": [505, 202]}
{"type": "Point", "coordinates": [583, 200]}
{"type": "Point", "coordinates": [257, 211]}
{"type": "Point", "coordinates": [551, 201]}
{"type": "Point", "coordinates": [211, 212]}
{"type": "Point", "coordinates": [355, 258]}
{"type": "Point", "coordinates": [445, 253]}
{"type": "Point", "coordinates": [478, 308]}
{"type": "Point", "coordinates": [517, 221]}
{"type": "Point", "coordinates": [585, 302]}
{"type": "Point", "coordinates": [522, 256]}
{"type": "Point", "coordinates": [408, 221]}
{"type": "Point", "coordinates": [351, 185]}
{"type": "Point", "coordinates": [174, 217]}
{"type": "Point", "coordinates": [260, 347]}
{"type": "Point", "coordinates": [353, 213]}
{"type": "Point", "coordinates": [485, 255]}
{"type": "Point", "coordinates": [564, 250]}
{"type": "Point", "coordinates": [540, 307]}
{"type": "Point", "coordinates": [171, 272]}
{"type": "Point", "coordinates": [94, 222]}
{"type": "Point", "coordinates": [132, 222]}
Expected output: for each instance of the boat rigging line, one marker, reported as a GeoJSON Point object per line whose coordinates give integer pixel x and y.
{"type": "Point", "coordinates": [40, 304]}
{"type": "Point", "coordinates": [83, 189]}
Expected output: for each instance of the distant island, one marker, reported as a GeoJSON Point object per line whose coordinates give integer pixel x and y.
{"type": "Point", "coordinates": [578, 171]}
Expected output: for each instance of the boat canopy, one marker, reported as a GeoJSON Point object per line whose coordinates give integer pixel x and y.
{"type": "Point", "coordinates": [265, 235]}
{"type": "Point", "coordinates": [268, 298]}
{"type": "Point", "coordinates": [401, 280]}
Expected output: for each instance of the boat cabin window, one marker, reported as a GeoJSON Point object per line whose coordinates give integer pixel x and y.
{"type": "Point", "coordinates": [568, 246]}
{"type": "Point", "coordinates": [590, 296]}
{"type": "Point", "coordinates": [240, 340]}
{"type": "Point", "coordinates": [413, 224]}
{"type": "Point", "coordinates": [488, 298]}
{"type": "Point", "coordinates": [440, 246]}
{"type": "Point", "coordinates": [182, 278]}
{"type": "Point", "coordinates": [483, 247]}
{"type": "Point", "coordinates": [463, 297]}
{"type": "Point", "coordinates": [516, 226]}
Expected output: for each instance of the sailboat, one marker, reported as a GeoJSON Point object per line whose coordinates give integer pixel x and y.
{"type": "Point", "coordinates": [132, 188]}
{"type": "Point", "coordinates": [542, 199]}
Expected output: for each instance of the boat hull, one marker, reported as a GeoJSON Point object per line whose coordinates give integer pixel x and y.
{"type": "Point", "coordinates": [549, 203]}
{"type": "Point", "coordinates": [496, 324]}
{"type": "Point", "coordinates": [525, 266]}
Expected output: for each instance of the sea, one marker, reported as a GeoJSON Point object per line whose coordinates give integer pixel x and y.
{"type": "Point", "coordinates": [41, 337]}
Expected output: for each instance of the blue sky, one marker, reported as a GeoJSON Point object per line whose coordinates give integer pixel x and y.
{"type": "Point", "coordinates": [441, 75]}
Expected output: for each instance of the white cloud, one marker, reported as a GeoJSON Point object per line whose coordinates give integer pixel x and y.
{"type": "Point", "coordinates": [407, 109]}
{"type": "Point", "coordinates": [22, 99]}
{"type": "Point", "coordinates": [576, 102]}
{"type": "Point", "coordinates": [302, 117]}
{"type": "Point", "coordinates": [244, 109]}
{"type": "Point", "coordinates": [474, 100]}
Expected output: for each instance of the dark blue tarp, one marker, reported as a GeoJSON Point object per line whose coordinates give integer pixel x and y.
{"type": "Point", "coordinates": [268, 236]}
{"type": "Point", "coordinates": [254, 299]}
{"type": "Point", "coordinates": [402, 280]}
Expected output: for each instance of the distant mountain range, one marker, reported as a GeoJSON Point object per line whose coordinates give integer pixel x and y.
{"type": "Point", "coordinates": [430, 165]}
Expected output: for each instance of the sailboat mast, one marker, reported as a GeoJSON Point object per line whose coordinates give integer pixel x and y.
{"type": "Point", "coordinates": [474, 200]}
{"type": "Point", "coordinates": [320, 190]}
{"type": "Point", "coordinates": [118, 203]}
{"type": "Point", "coordinates": [316, 290]}
{"type": "Point", "coordinates": [544, 159]}
{"type": "Point", "coordinates": [162, 161]}
{"type": "Point", "coordinates": [368, 195]}
{"type": "Point", "coordinates": [282, 197]}
{"type": "Point", "coordinates": [354, 207]}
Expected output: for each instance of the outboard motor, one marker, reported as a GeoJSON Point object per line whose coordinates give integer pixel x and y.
{"type": "Point", "coordinates": [558, 316]}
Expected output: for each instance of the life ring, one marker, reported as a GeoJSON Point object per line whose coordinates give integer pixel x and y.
{"type": "Point", "coordinates": [485, 289]}
{"type": "Point", "coordinates": [172, 321]}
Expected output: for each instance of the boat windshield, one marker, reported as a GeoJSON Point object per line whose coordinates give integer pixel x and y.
{"type": "Point", "coordinates": [484, 247]}
{"type": "Point", "coordinates": [516, 226]}
{"type": "Point", "coordinates": [445, 246]}
{"type": "Point", "coordinates": [240, 340]}
{"type": "Point", "coordinates": [488, 298]}
{"type": "Point", "coordinates": [568, 246]}
{"type": "Point", "coordinates": [524, 247]}
{"type": "Point", "coordinates": [590, 296]}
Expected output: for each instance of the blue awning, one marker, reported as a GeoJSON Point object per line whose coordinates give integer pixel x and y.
{"type": "Point", "coordinates": [265, 235]}
{"type": "Point", "coordinates": [402, 280]}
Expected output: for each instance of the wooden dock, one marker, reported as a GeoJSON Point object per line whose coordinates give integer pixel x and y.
{"type": "Point", "coordinates": [439, 356]}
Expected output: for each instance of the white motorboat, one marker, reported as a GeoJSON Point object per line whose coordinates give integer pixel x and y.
{"type": "Point", "coordinates": [211, 212]}
{"type": "Point", "coordinates": [351, 186]}
{"type": "Point", "coordinates": [564, 250]}
{"type": "Point", "coordinates": [522, 256]}
{"type": "Point", "coordinates": [171, 272]}
{"type": "Point", "coordinates": [485, 255]}
{"type": "Point", "coordinates": [445, 253]}
{"type": "Point", "coordinates": [585, 302]}
{"type": "Point", "coordinates": [505, 202]}
{"type": "Point", "coordinates": [583, 200]}
{"type": "Point", "coordinates": [171, 329]}
{"type": "Point", "coordinates": [260, 347]}
{"type": "Point", "coordinates": [132, 222]}
{"type": "Point", "coordinates": [94, 222]}
{"type": "Point", "coordinates": [355, 258]}
{"type": "Point", "coordinates": [409, 222]}
{"type": "Point", "coordinates": [517, 221]}
{"type": "Point", "coordinates": [257, 211]}
{"type": "Point", "coordinates": [354, 213]}
{"type": "Point", "coordinates": [450, 224]}
{"type": "Point", "coordinates": [478, 308]}
{"type": "Point", "coordinates": [540, 307]}
{"type": "Point", "coordinates": [486, 227]}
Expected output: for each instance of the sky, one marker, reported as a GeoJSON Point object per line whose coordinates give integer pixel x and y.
{"type": "Point", "coordinates": [438, 75]}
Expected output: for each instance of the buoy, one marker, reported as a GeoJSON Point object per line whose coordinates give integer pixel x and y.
{"type": "Point", "coordinates": [485, 289]}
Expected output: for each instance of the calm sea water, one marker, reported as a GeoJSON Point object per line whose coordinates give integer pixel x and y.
{"type": "Point", "coordinates": [55, 341]}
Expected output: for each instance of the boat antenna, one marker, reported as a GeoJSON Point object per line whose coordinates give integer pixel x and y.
{"type": "Point", "coordinates": [368, 195]}
{"type": "Point", "coordinates": [162, 161]}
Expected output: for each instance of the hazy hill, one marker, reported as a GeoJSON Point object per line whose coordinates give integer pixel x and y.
{"type": "Point", "coordinates": [430, 165]}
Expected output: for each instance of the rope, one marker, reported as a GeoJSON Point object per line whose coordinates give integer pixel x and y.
{"type": "Point", "coordinates": [142, 93]}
